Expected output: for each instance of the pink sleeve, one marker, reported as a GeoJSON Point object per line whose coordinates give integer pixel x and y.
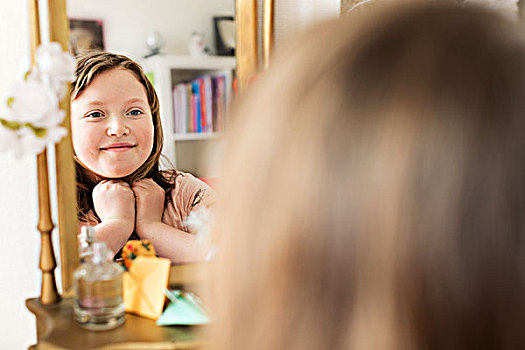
{"type": "Point", "coordinates": [188, 194]}
{"type": "Point", "coordinates": [194, 193]}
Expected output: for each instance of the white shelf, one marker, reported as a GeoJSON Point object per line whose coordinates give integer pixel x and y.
{"type": "Point", "coordinates": [193, 62]}
{"type": "Point", "coordinates": [167, 70]}
{"type": "Point", "coordinates": [196, 136]}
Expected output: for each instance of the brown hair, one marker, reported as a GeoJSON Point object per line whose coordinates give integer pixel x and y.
{"type": "Point", "coordinates": [377, 202]}
{"type": "Point", "coordinates": [88, 68]}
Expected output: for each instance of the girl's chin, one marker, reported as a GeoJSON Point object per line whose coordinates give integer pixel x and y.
{"type": "Point", "coordinates": [109, 175]}
{"type": "Point", "coordinates": [115, 175]}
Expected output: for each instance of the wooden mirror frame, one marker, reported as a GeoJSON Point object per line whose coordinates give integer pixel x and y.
{"type": "Point", "coordinates": [246, 37]}
{"type": "Point", "coordinates": [247, 44]}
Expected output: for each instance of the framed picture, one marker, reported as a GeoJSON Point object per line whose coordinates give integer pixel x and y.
{"type": "Point", "coordinates": [224, 28]}
{"type": "Point", "coordinates": [86, 35]}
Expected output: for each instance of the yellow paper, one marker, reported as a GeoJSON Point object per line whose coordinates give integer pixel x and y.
{"type": "Point", "coordinates": [144, 286]}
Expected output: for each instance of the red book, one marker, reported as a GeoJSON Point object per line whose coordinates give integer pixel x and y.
{"type": "Point", "coordinates": [196, 105]}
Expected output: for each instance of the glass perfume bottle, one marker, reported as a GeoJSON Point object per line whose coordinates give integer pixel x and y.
{"type": "Point", "coordinates": [98, 286]}
{"type": "Point", "coordinates": [86, 238]}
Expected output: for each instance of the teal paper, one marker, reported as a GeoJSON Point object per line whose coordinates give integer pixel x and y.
{"type": "Point", "coordinates": [183, 309]}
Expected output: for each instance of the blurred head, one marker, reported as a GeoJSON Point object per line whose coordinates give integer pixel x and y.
{"type": "Point", "coordinates": [115, 119]}
{"type": "Point", "coordinates": [375, 189]}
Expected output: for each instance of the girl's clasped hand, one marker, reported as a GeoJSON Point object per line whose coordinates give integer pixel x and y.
{"type": "Point", "coordinates": [114, 201]}
{"type": "Point", "coordinates": [149, 199]}
{"type": "Point", "coordinates": [134, 207]}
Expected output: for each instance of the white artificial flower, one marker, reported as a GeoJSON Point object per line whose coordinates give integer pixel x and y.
{"type": "Point", "coordinates": [55, 67]}
{"type": "Point", "coordinates": [200, 222]}
{"type": "Point", "coordinates": [31, 115]}
{"type": "Point", "coordinates": [8, 139]}
{"type": "Point", "coordinates": [24, 142]}
{"type": "Point", "coordinates": [33, 102]}
{"type": "Point", "coordinates": [29, 143]}
{"type": "Point", "coordinates": [55, 134]}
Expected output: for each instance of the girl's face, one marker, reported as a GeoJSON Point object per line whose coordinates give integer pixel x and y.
{"type": "Point", "coordinates": [112, 125]}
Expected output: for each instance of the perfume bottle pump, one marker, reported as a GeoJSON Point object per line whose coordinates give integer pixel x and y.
{"type": "Point", "coordinates": [86, 238]}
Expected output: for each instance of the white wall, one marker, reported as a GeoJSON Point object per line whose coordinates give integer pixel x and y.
{"type": "Point", "coordinates": [127, 22]}
{"type": "Point", "coordinates": [19, 239]}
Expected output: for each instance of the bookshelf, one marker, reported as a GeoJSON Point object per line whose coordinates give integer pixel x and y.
{"type": "Point", "coordinates": [187, 149]}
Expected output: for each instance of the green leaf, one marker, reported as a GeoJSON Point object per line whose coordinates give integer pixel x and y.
{"type": "Point", "coordinates": [10, 124]}
{"type": "Point", "coordinates": [10, 101]}
{"type": "Point", "coordinates": [39, 132]}
{"type": "Point", "coordinates": [26, 75]}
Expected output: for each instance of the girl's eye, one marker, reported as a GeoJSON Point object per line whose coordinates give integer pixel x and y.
{"type": "Point", "coordinates": [95, 115]}
{"type": "Point", "coordinates": [135, 112]}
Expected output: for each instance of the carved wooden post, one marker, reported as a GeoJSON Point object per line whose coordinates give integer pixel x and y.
{"type": "Point", "coordinates": [49, 293]}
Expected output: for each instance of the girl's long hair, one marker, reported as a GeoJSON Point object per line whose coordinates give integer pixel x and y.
{"type": "Point", "coordinates": [88, 68]}
{"type": "Point", "coordinates": [375, 189]}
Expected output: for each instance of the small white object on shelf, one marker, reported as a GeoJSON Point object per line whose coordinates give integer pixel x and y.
{"type": "Point", "coordinates": [196, 45]}
{"type": "Point", "coordinates": [155, 42]}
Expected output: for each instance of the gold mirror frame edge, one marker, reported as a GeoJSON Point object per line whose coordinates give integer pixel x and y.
{"type": "Point", "coordinates": [246, 37]}
{"type": "Point", "coordinates": [247, 44]}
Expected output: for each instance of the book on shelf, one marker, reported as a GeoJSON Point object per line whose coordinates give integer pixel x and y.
{"type": "Point", "coordinates": [197, 127]}
{"type": "Point", "coordinates": [208, 122]}
{"type": "Point", "coordinates": [202, 119]}
{"type": "Point", "coordinates": [189, 109]}
{"type": "Point", "coordinates": [221, 101]}
{"type": "Point", "coordinates": [199, 105]}
{"type": "Point", "coordinates": [180, 108]}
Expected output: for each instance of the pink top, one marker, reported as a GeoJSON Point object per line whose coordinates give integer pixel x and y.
{"type": "Point", "coordinates": [188, 194]}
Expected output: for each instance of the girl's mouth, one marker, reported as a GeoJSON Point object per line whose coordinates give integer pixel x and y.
{"type": "Point", "coordinates": [118, 147]}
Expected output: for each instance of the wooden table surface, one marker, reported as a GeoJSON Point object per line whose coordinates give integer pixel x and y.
{"type": "Point", "coordinates": [56, 329]}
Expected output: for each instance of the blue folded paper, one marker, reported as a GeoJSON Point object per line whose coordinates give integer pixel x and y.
{"type": "Point", "coordinates": [184, 309]}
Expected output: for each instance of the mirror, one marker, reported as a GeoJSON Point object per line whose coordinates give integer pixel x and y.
{"type": "Point", "coordinates": [171, 29]}
{"type": "Point", "coordinates": [120, 26]}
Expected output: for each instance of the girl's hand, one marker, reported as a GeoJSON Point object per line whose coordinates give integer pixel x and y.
{"type": "Point", "coordinates": [114, 202]}
{"type": "Point", "coordinates": [150, 199]}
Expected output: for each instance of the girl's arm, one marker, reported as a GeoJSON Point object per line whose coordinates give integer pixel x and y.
{"type": "Point", "coordinates": [174, 244]}
{"type": "Point", "coordinates": [169, 242]}
{"type": "Point", "coordinates": [114, 204]}
{"type": "Point", "coordinates": [114, 233]}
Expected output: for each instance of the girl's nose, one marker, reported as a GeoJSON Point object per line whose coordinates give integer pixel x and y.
{"type": "Point", "coordinates": [117, 126]}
